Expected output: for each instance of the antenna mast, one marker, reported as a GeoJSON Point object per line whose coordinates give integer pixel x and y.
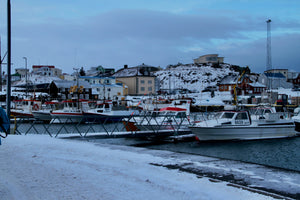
{"type": "Point", "coordinates": [269, 56]}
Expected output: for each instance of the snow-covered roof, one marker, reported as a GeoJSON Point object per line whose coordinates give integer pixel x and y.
{"type": "Point", "coordinates": [256, 84]}
{"type": "Point", "coordinates": [230, 79]}
{"type": "Point", "coordinates": [105, 85]}
{"type": "Point", "coordinates": [140, 70]}
{"type": "Point", "coordinates": [68, 84]}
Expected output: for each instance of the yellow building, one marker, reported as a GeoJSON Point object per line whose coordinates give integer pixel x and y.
{"type": "Point", "coordinates": [139, 80]}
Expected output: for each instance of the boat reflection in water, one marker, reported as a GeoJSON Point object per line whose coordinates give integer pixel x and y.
{"type": "Point", "coordinates": [238, 125]}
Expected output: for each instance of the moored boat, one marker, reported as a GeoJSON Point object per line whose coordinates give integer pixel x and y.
{"type": "Point", "coordinates": [103, 113]}
{"type": "Point", "coordinates": [296, 119]}
{"type": "Point", "coordinates": [43, 114]}
{"type": "Point", "coordinates": [71, 113]}
{"type": "Point", "coordinates": [238, 125]}
{"type": "Point", "coordinates": [23, 108]}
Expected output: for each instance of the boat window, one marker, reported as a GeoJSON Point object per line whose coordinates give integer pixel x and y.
{"type": "Point", "coordinates": [242, 116]}
{"type": "Point", "coordinates": [181, 115]}
{"type": "Point", "coordinates": [227, 115]}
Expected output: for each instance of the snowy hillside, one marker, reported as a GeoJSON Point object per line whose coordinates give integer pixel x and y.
{"type": "Point", "coordinates": [191, 76]}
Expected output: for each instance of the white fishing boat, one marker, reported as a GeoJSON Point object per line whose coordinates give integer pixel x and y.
{"type": "Point", "coordinates": [43, 114]}
{"type": "Point", "coordinates": [23, 108]}
{"type": "Point", "coordinates": [72, 112]}
{"type": "Point", "coordinates": [296, 119]}
{"type": "Point", "coordinates": [238, 125]}
{"type": "Point", "coordinates": [103, 112]}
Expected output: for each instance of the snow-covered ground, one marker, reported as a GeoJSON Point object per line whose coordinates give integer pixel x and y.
{"type": "Point", "coordinates": [41, 167]}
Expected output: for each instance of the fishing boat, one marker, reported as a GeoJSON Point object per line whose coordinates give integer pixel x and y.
{"type": "Point", "coordinates": [103, 112]}
{"type": "Point", "coordinates": [72, 112]}
{"type": "Point", "coordinates": [43, 114]}
{"type": "Point", "coordinates": [23, 108]}
{"type": "Point", "coordinates": [238, 125]}
{"type": "Point", "coordinates": [296, 119]}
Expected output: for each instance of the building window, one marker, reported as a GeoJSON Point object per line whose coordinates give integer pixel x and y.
{"type": "Point", "coordinates": [149, 89]}
{"type": "Point", "coordinates": [149, 81]}
{"type": "Point", "coordinates": [143, 89]}
{"type": "Point", "coordinates": [142, 81]}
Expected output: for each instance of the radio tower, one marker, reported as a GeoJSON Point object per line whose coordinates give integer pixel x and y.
{"type": "Point", "coordinates": [269, 56]}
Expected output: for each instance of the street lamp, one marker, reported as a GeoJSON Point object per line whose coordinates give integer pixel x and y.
{"type": "Point", "coordinates": [25, 58]}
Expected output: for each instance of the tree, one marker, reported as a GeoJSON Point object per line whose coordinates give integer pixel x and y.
{"type": "Point", "coordinates": [82, 72]}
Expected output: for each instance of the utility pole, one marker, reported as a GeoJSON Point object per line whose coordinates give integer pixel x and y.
{"type": "Point", "coordinates": [269, 55]}
{"type": "Point", "coordinates": [0, 68]}
{"type": "Point", "coordinates": [8, 92]}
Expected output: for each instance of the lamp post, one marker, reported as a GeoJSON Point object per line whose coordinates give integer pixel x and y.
{"type": "Point", "coordinates": [25, 58]}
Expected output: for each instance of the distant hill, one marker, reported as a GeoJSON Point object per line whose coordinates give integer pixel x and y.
{"type": "Point", "coordinates": [194, 77]}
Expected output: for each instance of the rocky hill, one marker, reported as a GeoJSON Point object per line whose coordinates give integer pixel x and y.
{"type": "Point", "coordinates": [193, 77]}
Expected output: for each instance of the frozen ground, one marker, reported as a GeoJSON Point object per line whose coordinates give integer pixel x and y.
{"type": "Point", "coordinates": [41, 167]}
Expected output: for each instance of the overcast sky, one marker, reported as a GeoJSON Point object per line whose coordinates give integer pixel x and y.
{"type": "Point", "coordinates": [85, 33]}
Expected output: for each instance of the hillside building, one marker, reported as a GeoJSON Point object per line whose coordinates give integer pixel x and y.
{"type": "Point", "coordinates": [209, 58]}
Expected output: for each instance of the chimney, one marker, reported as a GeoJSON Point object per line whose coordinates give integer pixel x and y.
{"type": "Point", "coordinates": [125, 66]}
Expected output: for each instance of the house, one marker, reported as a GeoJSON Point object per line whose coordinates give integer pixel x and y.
{"type": "Point", "coordinates": [46, 70]}
{"type": "Point", "coordinates": [104, 87]}
{"type": "Point", "coordinates": [228, 82]}
{"type": "Point", "coordinates": [296, 81]}
{"type": "Point", "coordinates": [246, 86]}
{"type": "Point", "coordinates": [22, 72]}
{"type": "Point", "coordinates": [209, 58]}
{"type": "Point", "coordinates": [98, 79]}
{"type": "Point", "coordinates": [100, 71]}
{"type": "Point", "coordinates": [62, 89]}
{"type": "Point", "coordinates": [103, 91]}
{"type": "Point", "coordinates": [140, 79]}
{"type": "Point", "coordinates": [274, 81]}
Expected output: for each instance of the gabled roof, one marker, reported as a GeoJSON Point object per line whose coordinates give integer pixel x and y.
{"type": "Point", "coordinates": [140, 70]}
{"type": "Point", "coordinates": [257, 84]}
{"type": "Point", "coordinates": [229, 80]}
{"type": "Point", "coordinates": [68, 84]}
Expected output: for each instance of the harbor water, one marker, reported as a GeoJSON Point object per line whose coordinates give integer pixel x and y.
{"type": "Point", "coordinates": [280, 153]}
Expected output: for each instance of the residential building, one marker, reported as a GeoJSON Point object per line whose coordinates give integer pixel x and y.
{"type": "Point", "coordinates": [22, 72]}
{"type": "Point", "coordinates": [246, 86]}
{"type": "Point", "coordinates": [46, 70]}
{"type": "Point", "coordinates": [103, 91]}
{"type": "Point", "coordinates": [100, 71]}
{"type": "Point", "coordinates": [104, 87]}
{"type": "Point", "coordinates": [209, 58]}
{"type": "Point", "coordinates": [140, 79]}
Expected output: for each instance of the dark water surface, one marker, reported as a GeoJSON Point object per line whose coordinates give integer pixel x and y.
{"type": "Point", "coordinates": [282, 153]}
